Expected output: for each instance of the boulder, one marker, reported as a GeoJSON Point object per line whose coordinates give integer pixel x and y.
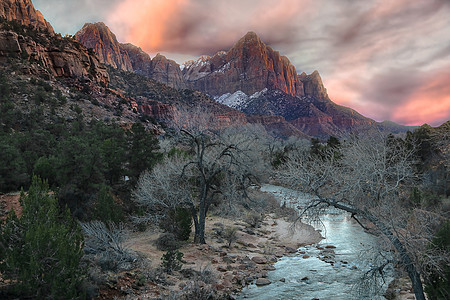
{"type": "Point", "coordinates": [259, 260]}
{"type": "Point", "coordinates": [262, 281]}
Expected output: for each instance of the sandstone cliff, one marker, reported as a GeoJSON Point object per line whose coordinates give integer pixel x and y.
{"type": "Point", "coordinates": [249, 66]}
{"type": "Point", "coordinates": [60, 56]}
{"type": "Point", "coordinates": [23, 11]}
{"type": "Point", "coordinates": [128, 57]}
{"type": "Point", "coordinates": [140, 61]}
{"type": "Point", "coordinates": [98, 37]}
{"type": "Point", "coordinates": [167, 71]}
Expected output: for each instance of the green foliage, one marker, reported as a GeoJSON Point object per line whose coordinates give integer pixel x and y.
{"type": "Point", "coordinates": [77, 160]}
{"type": "Point", "coordinates": [178, 222]}
{"type": "Point", "coordinates": [45, 168]}
{"type": "Point", "coordinates": [42, 249]}
{"type": "Point", "coordinates": [172, 261]}
{"type": "Point", "coordinates": [106, 209]}
{"type": "Point", "coordinates": [425, 199]}
{"type": "Point", "coordinates": [330, 149]}
{"type": "Point", "coordinates": [142, 155]}
{"type": "Point", "coordinates": [438, 286]}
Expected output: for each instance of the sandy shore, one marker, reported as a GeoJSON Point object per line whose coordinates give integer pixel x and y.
{"type": "Point", "coordinates": [248, 260]}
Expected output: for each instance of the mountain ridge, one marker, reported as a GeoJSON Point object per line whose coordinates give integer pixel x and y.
{"type": "Point", "coordinates": [268, 82]}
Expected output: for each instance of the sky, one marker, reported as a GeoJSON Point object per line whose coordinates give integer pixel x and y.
{"type": "Point", "coordinates": [387, 59]}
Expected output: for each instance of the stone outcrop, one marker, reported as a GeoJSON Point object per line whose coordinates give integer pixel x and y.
{"type": "Point", "coordinates": [313, 86]}
{"type": "Point", "coordinates": [167, 71]}
{"type": "Point", "coordinates": [98, 37]}
{"type": "Point", "coordinates": [24, 12]}
{"type": "Point", "coordinates": [69, 60]}
{"type": "Point", "coordinates": [128, 57]}
{"type": "Point", "coordinates": [140, 61]}
{"type": "Point", "coordinates": [249, 66]}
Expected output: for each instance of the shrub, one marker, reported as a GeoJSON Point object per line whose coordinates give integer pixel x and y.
{"type": "Point", "coordinates": [104, 247]}
{"type": "Point", "coordinates": [41, 250]}
{"type": "Point", "coordinates": [171, 261]}
{"type": "Point", "coordinates": [106, 209]}
{"type": "Point", "coordinates": [178, 222]}
{"type": "Point", "coordinates": [167, 241]}
{"type": "Point", "coordinates": [230, 235]}
{"type": "Point", "coordinates": [254, 219]}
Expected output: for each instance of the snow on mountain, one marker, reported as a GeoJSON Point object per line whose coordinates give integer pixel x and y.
{"type": "Point", "coordinates": [237, 100]}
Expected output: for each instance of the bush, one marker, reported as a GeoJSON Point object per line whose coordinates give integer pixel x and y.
{"type": "Point", "coordinates": [41, 250]}
{"type": "Point", "coordinates": [178, 222]}
{"type": "Point", "coordinates": [171, 261]}
{"type": "Point", "coordinates": [230, 235]}
{"type": "Point", "coordinates": [104, 246]}
{"type": "Point", "coordinates": [254, 219]}
{"type": "Point", "coordinates": [167, 241]}
{"type": "Point", "coordinates": [106, 209]}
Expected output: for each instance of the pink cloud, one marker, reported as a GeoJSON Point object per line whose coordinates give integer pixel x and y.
{"type": "Point", "coordinates": [376, 57]}
{"type": "Point", "coordinates": [199, 26]}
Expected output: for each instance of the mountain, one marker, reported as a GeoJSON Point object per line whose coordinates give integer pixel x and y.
{"type": "Point", "coordinates": [250, 77]}
{"type": "Point", "coordinates": [99, 38]}
{"type": "Point", "coordinates": [24, 12]}
{"type": "Point", "coordinates": [45, 53]}
{"type": "Point", "coordinates": [127, 57]}
{"type": "Point", "coordinates": [249, 66]}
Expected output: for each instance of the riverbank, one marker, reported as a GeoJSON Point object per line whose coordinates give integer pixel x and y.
{"type": "Point", "coordinates": [225, 270]}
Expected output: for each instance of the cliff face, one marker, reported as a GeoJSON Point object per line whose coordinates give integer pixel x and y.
{"type": "Point", "coordinates": [249, 66]}
{"type": "Point", "coordinates": [24, 12]}
{"type": "Point", "coordinates": [104, 43]}
{"type": "Point", "coordinates": [141, 62]}
{"type": "Point", "coordinates": [60, 56]}
{"type": "Point", "coordinates": [167, 71]}
{"type": "Point", "coordinates": [128, 57]}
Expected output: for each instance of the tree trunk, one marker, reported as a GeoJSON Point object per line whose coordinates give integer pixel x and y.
{"type": "Point", "coordinates": [200, 235]}
{"type": "Point", "coordinates": [406, 260]}
{"type": "Point", "coordinates": [404, 257]}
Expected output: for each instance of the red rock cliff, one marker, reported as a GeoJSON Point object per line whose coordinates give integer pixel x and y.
{"type": "Point", "coordinates": [24, 12]}
{"type": "Point", "coordinates": [249, 66]}
{"type": "Point", "coordinates": [98, 37]}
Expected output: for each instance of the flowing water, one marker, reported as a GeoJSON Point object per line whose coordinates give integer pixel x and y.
{"type": "Point", "coordinates": [338, 277]}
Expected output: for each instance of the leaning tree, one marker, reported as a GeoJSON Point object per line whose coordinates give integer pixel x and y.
{"type": "Point", "coordinates": [369, 178]}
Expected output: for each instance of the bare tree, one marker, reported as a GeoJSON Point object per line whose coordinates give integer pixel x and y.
{"type": "Point", "coordinates": [216, 165]}
{"type": "Point", "coordinates": [369, 180]}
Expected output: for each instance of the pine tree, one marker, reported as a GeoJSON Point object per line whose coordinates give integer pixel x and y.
{"type": "Point", "coordinates": [42, 249]}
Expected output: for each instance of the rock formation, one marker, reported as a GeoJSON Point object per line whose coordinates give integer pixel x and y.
{"type": "Point", "coordinates": [249, 66]}
{"type": "Point", "coordinates": [98, 37]}
{"type": "Point", "coordinates": [69, 60]}
{"type": "Point", "coordinates": [23, 11]}
{"type": "Point", "coordinates": [60, 56]}
{"type": "Point", "coordinates": [140, 61]}
{"type": "Point", "coordinates": [167, 71]}
{"type": "Point", "coordinates": [128, 57]}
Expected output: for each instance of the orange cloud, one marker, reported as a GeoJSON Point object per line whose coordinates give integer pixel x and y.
{"type": "Point", "coordinates": [203, 26]}
{"type": "Point", "coordinates": [429, 104]}
{"type": "Point", "coordinates": [144, 22]}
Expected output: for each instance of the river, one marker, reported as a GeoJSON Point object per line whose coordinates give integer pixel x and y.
{"type": "Point", "coordinates": [337, 277]}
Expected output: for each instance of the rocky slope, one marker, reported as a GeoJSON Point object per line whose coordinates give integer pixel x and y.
{"type": "Point", "coordinates": [58, 56]}
{"type": "Point", "coordinates": [24, 12]}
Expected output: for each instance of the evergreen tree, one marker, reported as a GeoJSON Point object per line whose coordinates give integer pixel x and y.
{"type": "Point", "coordinates": [41, 250]}
{"type": "Point", "coordinates": [142, 153]}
